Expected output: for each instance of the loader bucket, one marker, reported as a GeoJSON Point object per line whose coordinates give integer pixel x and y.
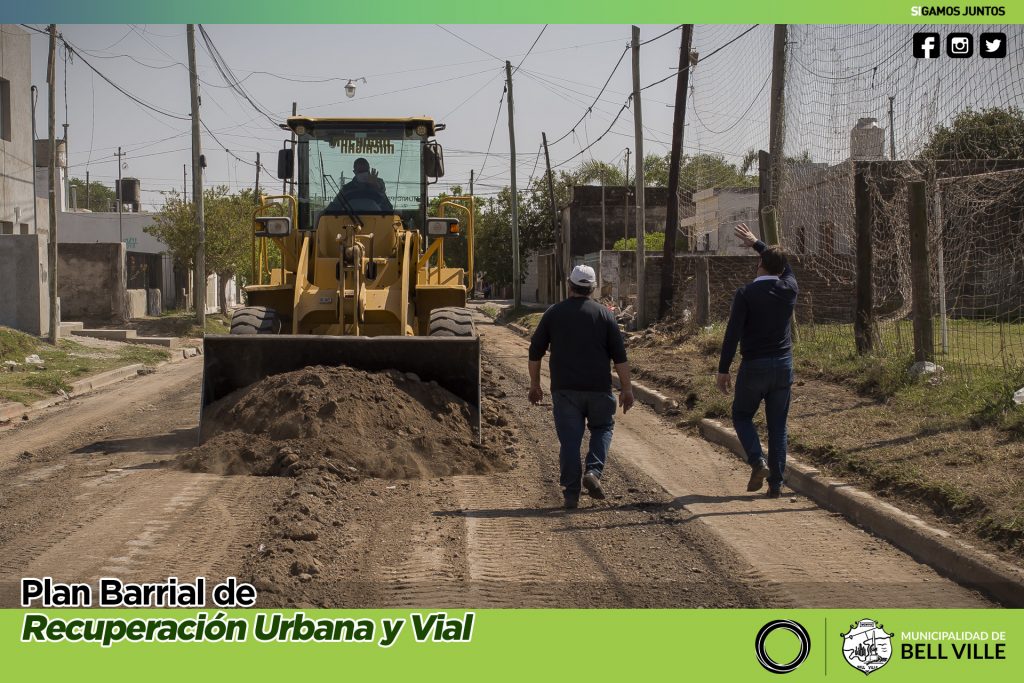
{"type": "Point", "coordinates": [231, 362]}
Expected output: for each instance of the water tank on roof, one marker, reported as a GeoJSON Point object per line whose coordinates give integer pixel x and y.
{"type": "Point", "coordinates": [131, 193]}
{"type": "Point", "coordinates": [867, 140]}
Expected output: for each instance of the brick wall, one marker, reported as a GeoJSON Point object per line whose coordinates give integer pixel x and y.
{"type": "Point", "coordinates": [821, 299]}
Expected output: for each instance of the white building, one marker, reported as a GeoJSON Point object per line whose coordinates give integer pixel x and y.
{"type": "Point", "coordinates": [716, 212]}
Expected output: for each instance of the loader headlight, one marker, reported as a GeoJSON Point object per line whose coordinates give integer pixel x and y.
{"type": "Point", "coordinates": [273, 226]}
{"type": "Point", "coordinates": [443, 227]}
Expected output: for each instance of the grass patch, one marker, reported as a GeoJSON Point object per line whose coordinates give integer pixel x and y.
{"type": "Point", "coordinates": [950, 445]}
{"type": "Point", "coordinates": [527, 317]}
{"type": "Point", "coordinates": [490, 310]}
{"type": "Point", "coordinates": [63, 364]}
{"type": "Point", "coordinates": [16, 345]}
{"type": "Point", "coordinates": [181, 324]}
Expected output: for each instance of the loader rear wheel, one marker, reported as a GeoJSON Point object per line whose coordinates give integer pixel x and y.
{"type": "Point", "coordinates": [255, 320]}
{"type": "Point", "coordinates": [451, 321]}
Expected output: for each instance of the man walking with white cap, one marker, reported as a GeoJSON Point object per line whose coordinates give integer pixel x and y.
{"type": "Point", "coordinates": [584, 340]}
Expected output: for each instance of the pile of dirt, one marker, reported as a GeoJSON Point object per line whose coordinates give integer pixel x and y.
{"type": "Point", "coordinates": [345, 422]}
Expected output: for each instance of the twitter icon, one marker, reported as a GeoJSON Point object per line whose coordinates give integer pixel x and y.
{"type": "Point", "coordinates": [993, 45]}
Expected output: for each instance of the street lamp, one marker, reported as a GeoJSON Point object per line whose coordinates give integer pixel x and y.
{"type": "Point", "coordinates": [350, 87]}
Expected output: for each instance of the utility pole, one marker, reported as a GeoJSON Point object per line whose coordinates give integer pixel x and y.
{"type": "Point", "coordinates": [638, 160]}
{"type": "Point", "coordinates": [257, 178]}
{"type": "Point", "coordinates": [120, 199]}
{"type": "Point", "coordinates": [892, 130]}
{"type": "Point", "coordinates": [776, 135]}
{"type": "Point", "coordinates": [559, 242]}
{"type": "Point", "coordinates": [471, 182]}
{"type": "Point", "coordinates": [67, 149]}
{"type": "Point", "coordinates": [35, 214]}
{"type": "Point", "coordinates": [199, 288]}
{"type": "Point", "coordinates": [88, 205]}
{"type": "Point", "coordinates": [625, 211]}
{"type": "Point", "coordinates": [516, 284]}
{"type": "Point", "coordinates": [51, 251]}
{"type": "Point", "coordinates": [672, 213]}
{"type": "Point", "coordinates": [184, 182]}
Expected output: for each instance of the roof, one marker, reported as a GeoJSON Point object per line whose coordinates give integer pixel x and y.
{"type": "Point", "coordinates": [315, 120]}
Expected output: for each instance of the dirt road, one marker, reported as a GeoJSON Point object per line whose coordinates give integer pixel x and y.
{"type": "Point", "coordinates": [93, 497]}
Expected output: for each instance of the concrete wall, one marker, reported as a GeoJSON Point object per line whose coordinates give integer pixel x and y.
{"type": "Point", "coordinates": [83, 227]}
{"type": "Point", "coordinates": [91, 282]}
{"type": "Point", "coordinates": [821, 299]}
{"type": "Point", "coordinates": [17, 204]}
{"type": "Point", "coordinates": [582, 219]}
{"type": "Point", "coordinates": [24, 293]}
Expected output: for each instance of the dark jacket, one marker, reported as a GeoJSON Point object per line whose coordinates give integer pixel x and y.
{"type": "Point", "coordinates": [760, 318]}
{"type": "Point", "coordinates": [584, 338]}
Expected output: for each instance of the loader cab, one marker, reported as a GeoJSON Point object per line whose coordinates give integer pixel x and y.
{"type": "Point", "coordinates": [365, 167]}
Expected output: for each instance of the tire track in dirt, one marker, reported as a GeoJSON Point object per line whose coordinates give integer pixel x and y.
{"type": "Point", "coordinates": [505, 548]}
{"type": "Point", "coordinates": [805, 554]}
{"type": "Point", "coordinates": [167, 524]}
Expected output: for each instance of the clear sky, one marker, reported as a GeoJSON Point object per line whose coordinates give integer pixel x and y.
{"type": "Point", "coordinates": [455, 76]}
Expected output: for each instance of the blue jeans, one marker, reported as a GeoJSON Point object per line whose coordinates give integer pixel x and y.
{"type": "Point", "coordinates": [769, 380]}
{"type": "Point", "coordinates": [573, 411]}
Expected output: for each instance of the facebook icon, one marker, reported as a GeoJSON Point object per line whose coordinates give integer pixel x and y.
{"type": "Point", "coordinates": [926, 45]}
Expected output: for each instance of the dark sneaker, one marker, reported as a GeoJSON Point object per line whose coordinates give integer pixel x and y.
{"type": "Point", "coordinates": [592, 484]}
{"type": "Point", "coordinates": [571, 503]}
{"type": "Point", "coordinates": [757, 476]}
{"type": "Point", "coordinates": [773, 493]}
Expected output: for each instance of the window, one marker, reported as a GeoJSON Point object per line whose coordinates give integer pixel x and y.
{"type": "Point", "coordinates": [6, 228]}
{"type": "Point", "coordinates": [5, 109]}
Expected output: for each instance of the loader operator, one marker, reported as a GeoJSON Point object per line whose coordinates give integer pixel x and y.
{"type": "Point", "coordinates": [364, 193]}
{"type": "Point", "coordinates": [583, 337]}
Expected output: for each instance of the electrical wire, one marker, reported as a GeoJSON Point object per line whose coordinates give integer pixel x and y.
{"type": "Point", "coordinates": [701, 59]}
{"type": "Point", "coordinates": [501, 104]}
{"type": "Point", "coordinates": [476, 47]}
{"type": "Point", "coordinates": [532, 45]}
{"type": "Point", "coordinates": [596, 100]}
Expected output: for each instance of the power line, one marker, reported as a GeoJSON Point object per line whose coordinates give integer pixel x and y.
{"type": "Point", "coordinates": [596, 100]}
{"type": "Point", "coordinates": [662, 35]}
{"type": "Point", "coordinates": [75, 51]}
{"type": "Point", "coordinates": [475, 93]}
{"type": "Point", "coordinates": [710, 54]}
{"type": "Point", "coordinates": [229, 77]}
{"type": "Point", "coordinates": [501, 103]}
{"type": "Point", "coordinates": [472, 45]}
{"type": "Point", "coordinates": [532, 45]}
{"type": "Point", "coordinates": [624, 107]}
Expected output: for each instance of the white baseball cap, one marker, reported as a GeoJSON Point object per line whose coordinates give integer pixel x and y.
{"type": "Point", "coordinates": [583, 276]}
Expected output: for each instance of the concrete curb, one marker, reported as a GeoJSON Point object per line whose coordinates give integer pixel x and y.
{"type": "Point", "coordinates": [79, 388]}
{"type": "Point", "coordinates": [103, 379]}
{"type": "Point", "coordinates": [963, 563]}
{"type": "Point", "coordinates": [518, 329]}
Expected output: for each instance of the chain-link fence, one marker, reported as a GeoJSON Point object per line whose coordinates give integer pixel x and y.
{"type": "Point", "coordinates": [858, 103]}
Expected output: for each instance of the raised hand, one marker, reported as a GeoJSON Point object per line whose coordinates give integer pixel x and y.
{"type": "Point", "coordinates": [744, 235]}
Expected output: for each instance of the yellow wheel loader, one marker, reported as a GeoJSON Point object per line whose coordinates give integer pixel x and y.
{"type": "Point", "coordinates": [349, 269]}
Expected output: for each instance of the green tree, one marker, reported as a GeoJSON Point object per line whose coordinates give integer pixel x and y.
{"type": "Point", "coordinates": [656, 170]}
{"type": "Point", "coordinates": [991, 133]}
{"type": "Point", "coordinates": [653, 241]}
{"type": "Point", "coordinates": [99, 196]}
{"type": "Point", "coordinates": [228, 233]}
{"type": "Point", "coordinates": [594, 172]}
{"type": "Point", "coordinates": [456, 249]}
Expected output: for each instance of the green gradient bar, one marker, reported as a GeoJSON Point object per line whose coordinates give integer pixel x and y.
{"type": "Point", "coordinates": [539, 645]}
{"type": "Point", "coordinates": [520, 11]}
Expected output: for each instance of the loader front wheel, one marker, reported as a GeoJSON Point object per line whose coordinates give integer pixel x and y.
{"type": "Point", "coordinates": [255, 320]}
{"type": "Point", "coordinates": [452, 321]}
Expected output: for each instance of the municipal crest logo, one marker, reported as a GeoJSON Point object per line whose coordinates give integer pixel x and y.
{"type": "Point", "coordinates": [866, 646]}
